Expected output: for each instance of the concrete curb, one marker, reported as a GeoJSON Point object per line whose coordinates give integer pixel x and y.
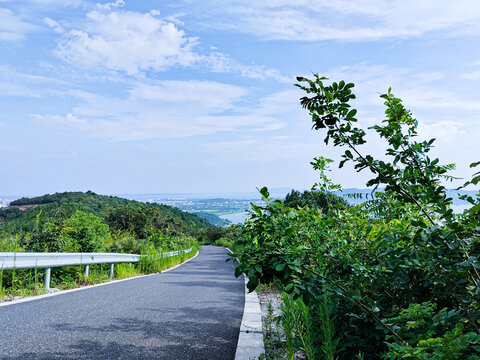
{"type": "Point", "coordinates": [250, 340]}
{"type": "Point", "coordinates": [62, 292]}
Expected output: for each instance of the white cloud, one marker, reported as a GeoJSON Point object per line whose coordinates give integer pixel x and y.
{"type": "Point", "coordinates": [129, 42]}
{"type": "Point", "coordinates": [134, 43]}
{"type": "Point", "coordinates": [353, 20]}
{"type": "Point", "coordinates": [168, 109]}
{"type": "Point", "coordinates": [473, 75]}
{"type": "Point", "coordinates": [20, 84]}
{"type": "Point", "coordinates": [255, 150]}
{"type": "Point", "coordinates": [12, 27]}
{"type": "Point", "coordinates": [108, 6]}
{"type": "Point", "coordinates": [18, 90]}
{"type": "Point", "coordinates": [206, 94]}
{"type": "Point", "coordinates": [54, 25]}
{"type": "Point", "coordinates": [444, 131]}
{"type": "Point", "coordinates": [222, 63]}
{"type": "Point", "coordinates": [280, 102]}
{"type": "Point", "coordinates": [418, 90]}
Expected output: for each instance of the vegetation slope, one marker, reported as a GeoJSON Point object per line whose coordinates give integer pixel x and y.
{"type": "Point", "coordinates": [76, 221]}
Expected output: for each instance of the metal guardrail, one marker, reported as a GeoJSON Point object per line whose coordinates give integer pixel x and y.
{"type": "Point", "coordinates": [25, 260]}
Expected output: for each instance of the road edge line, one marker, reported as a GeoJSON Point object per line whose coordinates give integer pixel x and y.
{"type": "Point", "coordinates": [250, 339]}
{"type": "Point", "coordinates": [63, 292]}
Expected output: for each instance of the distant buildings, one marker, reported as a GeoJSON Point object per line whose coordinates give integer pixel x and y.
{"type": "Point", "coordinates": [4, 203]}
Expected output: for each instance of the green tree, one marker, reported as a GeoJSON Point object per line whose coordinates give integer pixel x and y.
{"type": "Point", "coordinates": [86, 230]}
{"type": "Point", "coordinates": [314, 200]}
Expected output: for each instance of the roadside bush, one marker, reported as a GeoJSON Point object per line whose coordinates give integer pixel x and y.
{"type": "Point", "coordinates": [401, 271]}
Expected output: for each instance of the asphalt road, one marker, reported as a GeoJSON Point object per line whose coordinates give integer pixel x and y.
{"type": "Point", "coordinates": [192, 312]}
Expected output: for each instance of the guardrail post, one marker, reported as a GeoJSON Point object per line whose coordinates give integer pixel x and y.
{"type": "Point", "coordinates": [87, 269]}
{"type": "Point", "coordinates": [46, 278]}
{"type": "Point", "coordinates": [112, 267]}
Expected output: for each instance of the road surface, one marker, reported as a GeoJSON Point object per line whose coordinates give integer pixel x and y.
{"type": "Point", "coordinates": [192, 312]}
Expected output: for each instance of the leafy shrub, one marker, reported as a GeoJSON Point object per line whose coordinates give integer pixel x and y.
{"type": "Point", "coordinates": [387, 265]}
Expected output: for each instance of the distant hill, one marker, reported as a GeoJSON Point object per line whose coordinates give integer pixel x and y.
{"type": "Point", "coordinates": [250, 195]}
{"type": "Point", "coordinates": [276, 193]}
{"type": "Point", "coordinates": [22, 214]}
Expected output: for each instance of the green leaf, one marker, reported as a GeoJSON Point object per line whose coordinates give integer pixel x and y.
{"type": "Point", "coordinates": [252, 283]}
{"type": "Point", "coordinates": [336, 290]}
{"type": "Point", "coordinates": [238, 272]}
{"type": "Point", "coordinates": [351, 113]}
{"type": "Point", "coordinates": [280, 267]}
{"type": "Point", "coordinates": [264, 192]}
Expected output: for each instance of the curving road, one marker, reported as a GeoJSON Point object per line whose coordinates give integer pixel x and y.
{"type": "Point", "coordinates": [192, 312]}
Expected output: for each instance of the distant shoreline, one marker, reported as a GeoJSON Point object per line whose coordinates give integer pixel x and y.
{"type": "Point", "coordinates": [235, 218]}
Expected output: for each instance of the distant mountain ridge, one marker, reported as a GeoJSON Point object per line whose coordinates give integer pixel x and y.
{"type": "Point", "coordinates": [277, 193]}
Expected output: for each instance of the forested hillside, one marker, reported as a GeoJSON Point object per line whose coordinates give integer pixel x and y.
{"type": "Point", "coordinates": [212, 218]}
{"type": "Point", "coordinates": [76, 221]}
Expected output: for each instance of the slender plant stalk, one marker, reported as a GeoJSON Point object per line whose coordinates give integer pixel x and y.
{"type": "Point", "coordinates": [359, 303]}
{"type": "Point", "coordinates": [288, 324]}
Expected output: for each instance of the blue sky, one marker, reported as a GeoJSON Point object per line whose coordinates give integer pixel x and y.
{"type": "Point", "coordinates": [197, 96]}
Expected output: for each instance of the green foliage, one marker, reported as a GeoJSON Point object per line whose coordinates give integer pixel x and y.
{"type": "Point", "coordinates": [143, 220]}
{"type": "Point", "coordinates": [21, 215]}
{"type": "Point", "coordinates": [211, 235]}
{"type": "Point", "coordinates": [85, 230]}
{"type": "Point", "coordinates": [424, 330]}
{"type": "Point", "coordinates": [78, 222]}
{"type": "Point", "coordinates": [10, 244]}
{"type": "Point", "coordinates": [411, 176]}
{"type": "Point", "coordinates": [300, 324]}
{"type": "Point", "coordinates": [219, 237]}
{"type": "Point", "coordinates": [124, 242]}
{"type": "Point", "coordinates": [321, 197]}
{"type": "Point", "coordinates": [326, 319]}
{"type": "Point", "coordinates": [86, 222]}
{"type": "Point", "coordinates": [386, 267]}
{"type": "Point", "coordinates": [152, 260]}
{"type": "Point", "coordinates": [122, 271]}
{"type": "Point", "coordinates": [289, 321]}
{"type": "Point", "coordinates": [314, 200]}
{"type": "Point", "coordinates": [304, 329]}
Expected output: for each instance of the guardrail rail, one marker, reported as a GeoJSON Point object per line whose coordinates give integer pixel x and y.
{"type": "Point", "coordinates": [25, 260]}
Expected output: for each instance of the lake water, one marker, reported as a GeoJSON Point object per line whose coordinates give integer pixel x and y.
{"type": "Point", "coordinates": [236, 218]}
